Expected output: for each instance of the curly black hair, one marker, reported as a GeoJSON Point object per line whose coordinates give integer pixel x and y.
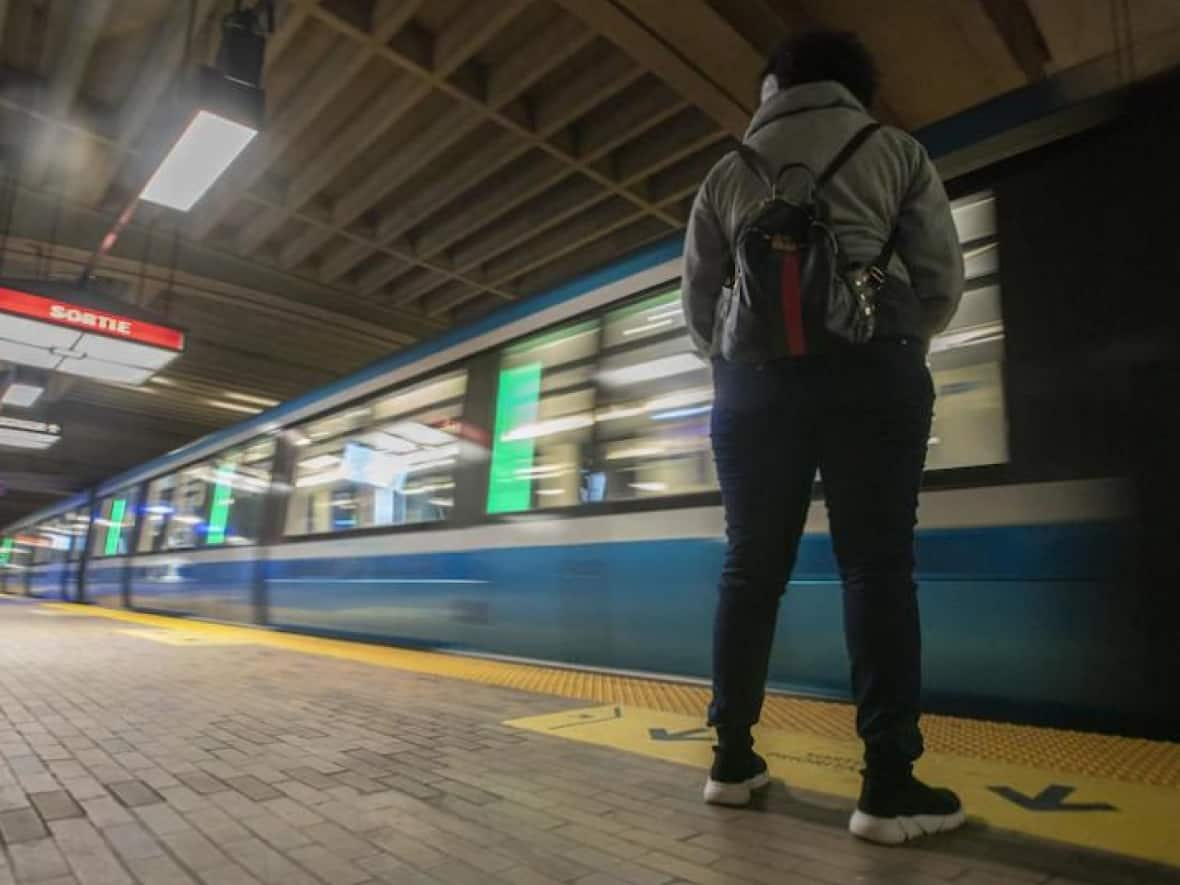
{"type": "Point", "coordinates": [825, 55]}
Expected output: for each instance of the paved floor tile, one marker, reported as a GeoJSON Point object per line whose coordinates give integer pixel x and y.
{"type": "Point", "coordinates": [217, 825]}
{"type": "Point", "coordinates": [134, 793]}
{"type": "Point", "coordinates": [195, 851]}
{"type": "Point", "coordinates": [21, 825]}
{"type": "Point", "coordinates": [91, 860]}
{"type": "Point", "coordinates": [266, 864]}
{"type": "Point", "coordinates": [133, 842]}
{"type": "Point", "coordinates": [84, 788]}
{"type": "Point", "coordinates": [253, 788]}
{"type": "Point", "coordinates": [230, 875]}
{"type": "Point", "coordinates": [242, 765]}
{"type": "Point", "coordinates": [159, 870]}
{"type": "Point", "coordinates": [327, 865]}
{"type": "Point", "coordinates": [105, 812]}
{"type": "Point", "coordinates": [201, 782]}
{"type": "Point", "coordinates": [36, 861]}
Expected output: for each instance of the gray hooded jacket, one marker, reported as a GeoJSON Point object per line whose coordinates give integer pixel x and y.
{"type": "Point", "coordinates": [889, 180]}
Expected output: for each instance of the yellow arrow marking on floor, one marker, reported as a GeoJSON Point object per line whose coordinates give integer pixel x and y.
{"type": "Point", "coordinates": [1124, 818]}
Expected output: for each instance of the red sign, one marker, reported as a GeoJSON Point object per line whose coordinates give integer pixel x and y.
{"type": "Point", "coordinates": [88, 319]}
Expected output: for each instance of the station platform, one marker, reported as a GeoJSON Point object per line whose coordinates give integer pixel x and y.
{"type": "Point", "coordinates": [146, 749]}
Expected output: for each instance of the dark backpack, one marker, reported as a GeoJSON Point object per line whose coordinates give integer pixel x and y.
{"type": "Point", "coordinates": [792, 292]}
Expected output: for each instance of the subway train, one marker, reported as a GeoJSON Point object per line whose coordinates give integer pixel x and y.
{"type": "Point", "coordinates": [538, 485]}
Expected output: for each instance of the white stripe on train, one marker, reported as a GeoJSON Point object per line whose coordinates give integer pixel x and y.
{"type": "Point", "coordinates": [1045, 503]}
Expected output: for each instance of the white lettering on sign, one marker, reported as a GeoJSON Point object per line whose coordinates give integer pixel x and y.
{"type": "Point", "coordinates": [77, 317]}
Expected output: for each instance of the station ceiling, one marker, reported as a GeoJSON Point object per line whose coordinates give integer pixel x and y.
{"type": "Point", "coordinates": [423, 161]}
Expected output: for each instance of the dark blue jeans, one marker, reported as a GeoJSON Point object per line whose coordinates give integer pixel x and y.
{"type": "Point", "coordinates": [862, 416]}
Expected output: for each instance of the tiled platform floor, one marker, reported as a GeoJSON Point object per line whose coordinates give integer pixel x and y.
{"type": "Point", "coordinates": [126, 759]}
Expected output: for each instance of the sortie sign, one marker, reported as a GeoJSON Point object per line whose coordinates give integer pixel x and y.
{"type": "Point", "coordinates": [88, 319]}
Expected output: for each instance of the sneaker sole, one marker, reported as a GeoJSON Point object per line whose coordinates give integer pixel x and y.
{"type": "Point", "coordinates": [896, 830]}
{"type": "Point", "coordinates": [718, 793]}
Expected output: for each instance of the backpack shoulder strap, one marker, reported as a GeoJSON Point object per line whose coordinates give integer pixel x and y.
{"type": "Point", "coordinates": [757, 164]}
{"type": "Point", "coordinates": [761, 167]}
{"type": "Point", "coordinates": [845, 154]}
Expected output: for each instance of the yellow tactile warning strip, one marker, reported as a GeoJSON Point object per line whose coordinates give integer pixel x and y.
{"type": "Point", "coordinates": [1136, 820]}
{"type": "Point", "coordinates": [1130, 760]}
{"type": "Point", "coordinates": [176, 637]}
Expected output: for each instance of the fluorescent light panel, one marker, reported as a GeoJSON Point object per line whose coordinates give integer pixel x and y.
{"type": "Point", "coordinates": [21, 395]}
{"type": "Point", "coordinates": [250, 398]}
{"type": "Point", "coordinates": [26, 439]}
{"type": "Point", "coordinates": [233, 407]}
{"type": "Point", "coordinates": [200, 155]}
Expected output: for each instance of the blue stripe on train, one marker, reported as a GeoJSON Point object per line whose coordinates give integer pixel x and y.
{"type": "Point", "coordinates": [1014, 615]}
{"type": "Point", "coordinates": [52, 581]}
{"type": "Point", "coordinates": [219, 590]}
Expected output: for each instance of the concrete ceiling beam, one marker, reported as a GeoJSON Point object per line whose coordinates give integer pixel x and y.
{"type": "Point", "coordinates": [452, 48]}
{"type": "Point", "coordinates": [656, 55]}
{"type": "Point", "coordinates": [68, 68]}
{"type": "Point", "coordinates": [335, 75]}
{"type": "Point", "coordinates": [1022, 36]}
{"type": "Point", "coordinates": [552, 46]}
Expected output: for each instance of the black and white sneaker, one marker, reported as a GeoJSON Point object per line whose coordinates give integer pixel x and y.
{"type": "Point", "coordinates": [734, 777]}
{"type": "Point", "coordinates": [891, 813]}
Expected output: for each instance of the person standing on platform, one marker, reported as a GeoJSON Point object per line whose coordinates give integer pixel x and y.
{"type": "Point", "coordinates": [824, 370]}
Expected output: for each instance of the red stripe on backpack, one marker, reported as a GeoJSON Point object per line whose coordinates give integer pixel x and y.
{"type": "Point", "coordinates": [792, 299]}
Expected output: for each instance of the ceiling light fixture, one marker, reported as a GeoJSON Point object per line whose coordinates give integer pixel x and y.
{"type": "Point", "coordinates": [17, 433]}
{"type": "Point", "coordinates": [21, 388]}
{"type": "Point", "coordinates": [233, 407]}
{"type": "Point", "coordinates": [226, 114]}
{"type": "Point", "coordinates": [221, 115]}
{"type": "Point", "coordinates": [253, 400]}
{"type": "Point", "coordinates": [21, 395]}
{"type": "Point", "coordinates": [203, 152]}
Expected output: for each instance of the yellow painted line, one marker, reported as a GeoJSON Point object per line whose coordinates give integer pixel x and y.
{"type": "Point", "coordinates": [1127, 819]}
{"type": "Point", "coordinates": [1130, 760]}
{"type": "Point", "coordinates": [177, 638]}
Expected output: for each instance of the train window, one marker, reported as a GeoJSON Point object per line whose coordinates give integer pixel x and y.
{"type": "Point", "coordinates": [42, 544]}
{"type": "Point", "coordinates": [156, 512]}
{"type": "Point", "coordinates": [175, 511]}
{"type": "Point", "coordinates": [77, 523]}
{"type": "Point", "coordinates": [240, 481]}
{"type": "Point", "coordinates": [613, 408]}
{"type": "Point", "coordinates": [115, 524]}
{"type": "Point", "coordinates": [54, 539]}
{"type": "Point", "coordinates": [966, 360]}
{"type": "Point", "coordinates": [15, 555]}
{"type": "Point", "coordinates": [655, 396]}
{"type": "Point", "coordinates": [542, 437]}
{"type": "Point", "coordinates": [388, 461]}
{"type": "Point", "coordinates": [210, 504]}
